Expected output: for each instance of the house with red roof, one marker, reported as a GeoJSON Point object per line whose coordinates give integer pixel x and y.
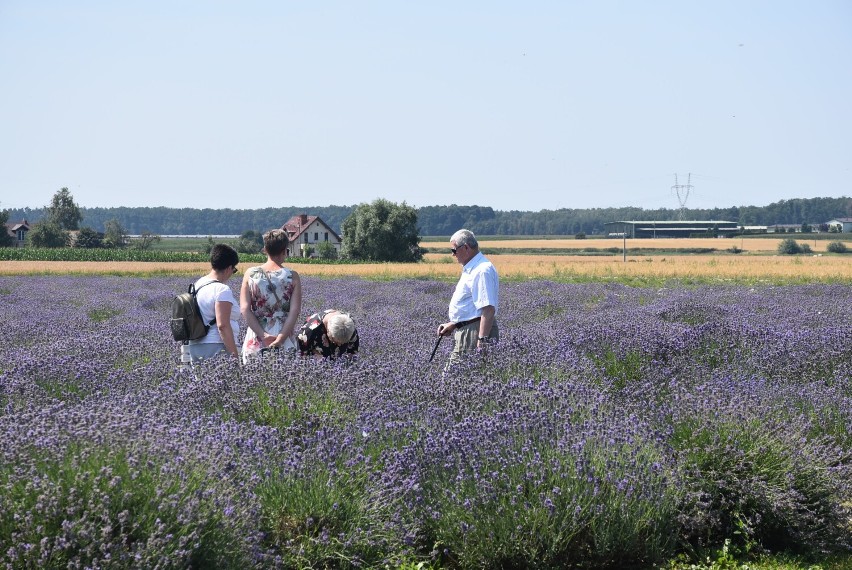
{"type": "Point", "coordinates": [306, 233]}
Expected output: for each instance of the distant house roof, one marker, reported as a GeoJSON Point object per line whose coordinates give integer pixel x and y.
{"type": "Point", "coordinates": [844, 220]}
{"type": "Point", "coordinates": [297, 225]}
{"type": "Point", "coordinates": [13, 227]}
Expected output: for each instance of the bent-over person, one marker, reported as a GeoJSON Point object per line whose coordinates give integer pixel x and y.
{"type": "Point", "coordinates": [330, 333]}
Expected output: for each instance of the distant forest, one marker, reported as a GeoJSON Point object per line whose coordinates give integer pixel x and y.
{"type": "Point", "coordinates": [444, 220]}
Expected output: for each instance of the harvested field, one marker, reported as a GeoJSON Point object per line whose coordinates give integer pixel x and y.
{"type": "Point", "coordinates": [802, 268]}
{"type": "Point", "coordinates": [764, 245]}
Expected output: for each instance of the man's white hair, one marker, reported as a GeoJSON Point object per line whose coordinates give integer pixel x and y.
{"type": "Point", "coordinates": [340, 327]}
{"type": "Point", "coordinates": [465, 237]}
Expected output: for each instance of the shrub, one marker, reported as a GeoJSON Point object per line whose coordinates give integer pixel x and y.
{"type": "Point", "coordinates": [244, 245]}
{"type": "Point", "coordinates": [47, 235]}
{"type": "Point", "coordinates": [92, 503]}
{"type": "Point", "coordinates": [326, 251]}
{"type": "Point", "coordinates": [759, 482]}
{"type": "Point", "coordinates": [837, 247]}
{"type": "Point", "coordinates": [88, 238]}
{"type": "Point", "coordinates": [789, 246]}
{"type": "Point", "coordinates": [145, 240]}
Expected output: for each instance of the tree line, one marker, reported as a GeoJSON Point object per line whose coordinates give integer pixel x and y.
{"type": "Point", "coordinates": [441, 220]}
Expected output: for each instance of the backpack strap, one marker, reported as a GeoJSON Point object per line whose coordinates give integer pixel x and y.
{"type": "Point", "coordinates": [194, 292]}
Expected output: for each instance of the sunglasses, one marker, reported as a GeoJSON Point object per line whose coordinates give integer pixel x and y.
{"type": "Point", "coordinates": [236, 269]}
{"type": "Point", "coordinates": [455, 249]}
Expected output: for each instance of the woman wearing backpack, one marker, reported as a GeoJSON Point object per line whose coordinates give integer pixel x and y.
{"type": "Point", "coordinates": [271, 299]}
{"type": "Point", "coordinates": [216, 301]}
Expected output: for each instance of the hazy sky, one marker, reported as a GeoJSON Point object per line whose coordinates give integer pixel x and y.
{"type": "Point", "coordinates": [515, 105]}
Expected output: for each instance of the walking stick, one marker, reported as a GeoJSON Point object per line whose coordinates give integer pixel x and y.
{"type": "Point", "coordinates": [436, 348]}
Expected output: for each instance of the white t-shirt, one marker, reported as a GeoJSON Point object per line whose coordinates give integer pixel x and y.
{"type": "Point", "coordinates": [207, 298]}
{"type": "Point", "coordinates": [477, 288]}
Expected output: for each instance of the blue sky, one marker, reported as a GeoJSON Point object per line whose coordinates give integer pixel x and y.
{"type": "Point", "coordinates": [514, 105]}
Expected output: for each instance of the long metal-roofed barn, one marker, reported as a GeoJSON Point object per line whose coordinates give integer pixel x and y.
{"type": "Point", "coordinates": [669, 228]}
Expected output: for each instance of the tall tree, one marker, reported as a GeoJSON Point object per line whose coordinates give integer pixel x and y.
{"type": "Point", "coordinates": [63, 211]}
{"type": "Point", "coordinates": [5, 239]}
{"type": "Point", "coordinates": [115, 235]}
{"type": "Point", "coordinates": [382, 231]}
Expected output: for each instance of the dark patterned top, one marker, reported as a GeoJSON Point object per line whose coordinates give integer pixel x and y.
{"type": "Point", "coordinates": [313, 338]}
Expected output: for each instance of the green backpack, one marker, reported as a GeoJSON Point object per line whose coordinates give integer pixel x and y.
{"type": "Point", "coordinates": [187, 323]}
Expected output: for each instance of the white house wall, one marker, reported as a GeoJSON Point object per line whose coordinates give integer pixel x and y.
{"type": "Point", "coordinates": [843, 225]}
{"type": "Point", "coordinates": [315, 234]}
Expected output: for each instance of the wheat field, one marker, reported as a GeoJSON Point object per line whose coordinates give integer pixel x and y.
{"type": "Point", "coordinates": [762, 245]}
{"type": "Point", "coordinates": [516, 266]}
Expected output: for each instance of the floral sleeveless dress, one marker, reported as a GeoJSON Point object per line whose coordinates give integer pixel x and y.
{"type": "Point", "coordinates": [270, 293]}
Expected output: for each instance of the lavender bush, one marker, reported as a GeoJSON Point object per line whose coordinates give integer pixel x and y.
{"type": "Point", "coordinates": [610, 426]}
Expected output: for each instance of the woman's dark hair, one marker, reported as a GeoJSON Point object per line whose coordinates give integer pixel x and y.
{"type": "Point", "coordinates": [275, 242]}
{"type": "Point", "coordinates": [223, 256]}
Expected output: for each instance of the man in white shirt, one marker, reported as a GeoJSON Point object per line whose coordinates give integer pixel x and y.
{"type": "Point", "coordinates": [473, 307]}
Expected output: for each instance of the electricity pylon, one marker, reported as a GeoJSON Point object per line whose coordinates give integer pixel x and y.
{"type": "Point", "coordinates": [682, 191]}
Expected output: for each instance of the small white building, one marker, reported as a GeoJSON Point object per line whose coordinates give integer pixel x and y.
{"type": "Point", "coordinates": [306, 232]}
{"type": "Point", "coordinates": [842, 224]}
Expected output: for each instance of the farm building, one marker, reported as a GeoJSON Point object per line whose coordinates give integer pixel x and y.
{"type": "Point", "coordinates": [754, 229]}
{"type": "Point", "coordinates": [669, 228]}
{"type": "Point", "coordinates": [306, 233]}
{"type": "Point", "coordinates": [842, 224]}
{"type": "Point", "coordinates": [18, 230]}
{"type": "Point", "coordinates": [784, 228]}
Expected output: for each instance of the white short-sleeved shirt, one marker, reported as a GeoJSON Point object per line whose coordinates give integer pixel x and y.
{"type": "Point", "coordinates": [207, 298]}
{"type": "Point", "coordinates": [477, 288]}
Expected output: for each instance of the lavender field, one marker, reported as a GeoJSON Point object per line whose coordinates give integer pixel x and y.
{"type": "Point", "coordinates": [611, 426]}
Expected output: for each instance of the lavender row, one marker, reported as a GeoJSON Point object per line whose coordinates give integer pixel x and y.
{"type": "Point", "coordinates": [609, 424]}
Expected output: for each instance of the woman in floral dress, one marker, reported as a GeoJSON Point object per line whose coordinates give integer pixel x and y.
{"type": "Point", "coordinates": [271, 299]}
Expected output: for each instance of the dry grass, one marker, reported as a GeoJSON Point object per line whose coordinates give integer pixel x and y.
{"type": "Point", "coordinates": [703, 267]}
{"type": "Point", "coordinates": [439, 266]}
{"type": "Point", "coordinates": [765, 245]}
